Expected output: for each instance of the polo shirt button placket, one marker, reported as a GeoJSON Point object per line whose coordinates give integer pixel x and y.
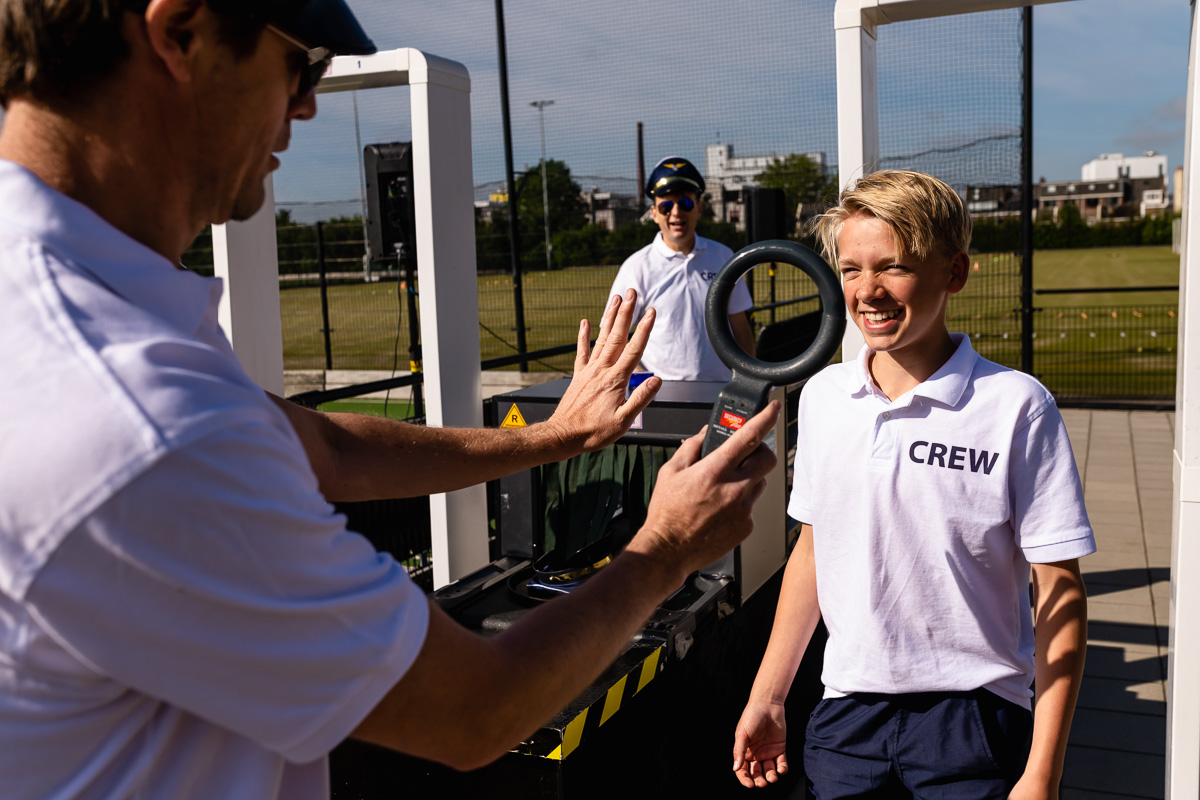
{"type": "Point", "coordinates": [887, 415]}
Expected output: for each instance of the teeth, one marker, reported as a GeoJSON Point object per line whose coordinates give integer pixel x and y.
{"type": "Point", "coordinates": [880, 316]}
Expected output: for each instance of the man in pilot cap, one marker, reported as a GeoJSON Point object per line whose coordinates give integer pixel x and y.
{"type": "Point", "coordinates": [182, 614]}
{"type": "Point", "coordinates": [672, 274]}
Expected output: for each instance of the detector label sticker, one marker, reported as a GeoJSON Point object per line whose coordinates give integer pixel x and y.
{"type": "Point", "coordinates": [513, 418]}
{"type": "Point", "coordinates": [731, 420]}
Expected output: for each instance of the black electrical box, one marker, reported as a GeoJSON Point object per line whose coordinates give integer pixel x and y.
{"type": "Point", "coordinates": [391, 221]}
{"type": "Point", "coordinates": [767, 215]}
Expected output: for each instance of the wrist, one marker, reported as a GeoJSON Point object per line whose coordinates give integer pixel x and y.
{"type": "Point", "coordinates": [652, 550]}
{"type": "Point", "coordinates": [554, 441]}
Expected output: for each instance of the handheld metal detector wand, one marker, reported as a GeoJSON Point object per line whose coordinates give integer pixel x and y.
{"type": "Point", "coordinates": [746, 394]}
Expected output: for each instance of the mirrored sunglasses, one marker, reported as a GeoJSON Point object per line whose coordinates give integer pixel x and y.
{"type": "Point", "coordinates": [686, 204]}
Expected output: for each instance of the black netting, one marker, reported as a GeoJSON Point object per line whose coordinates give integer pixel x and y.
{"type": "Point", "coordinates": [741, 89]}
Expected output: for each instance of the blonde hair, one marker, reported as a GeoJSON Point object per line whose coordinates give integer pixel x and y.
{"type": "Point", "coordinates": [926, 217]}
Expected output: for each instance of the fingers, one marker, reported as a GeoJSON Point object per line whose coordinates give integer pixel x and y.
{"type": "Point", "coordinates": [637, 342]}
{"type": "Point", "coordinates": [614, 343]}
{"type": "Point", "coordinates": [688, 452]}
{"type": "Point", "coordinates": [743, 443]}
{"type": "Point", "coordinates": [582, 351]}
{"type": "Point", "coordinates": [739, 748]}
{"type": "Point", "coordinates": [642, 395]}
{"type": "Point", "coordinates": [606, 322]}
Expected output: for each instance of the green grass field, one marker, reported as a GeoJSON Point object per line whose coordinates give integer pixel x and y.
{"type": "Point", "coordinates": [1121, 339]}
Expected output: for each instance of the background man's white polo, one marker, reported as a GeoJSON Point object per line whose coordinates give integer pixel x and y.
{"type": "Point", "coordinates": [676, 284]}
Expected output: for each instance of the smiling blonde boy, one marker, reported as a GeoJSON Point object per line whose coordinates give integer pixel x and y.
{"type": "Point", "coordinates": [930, 482]}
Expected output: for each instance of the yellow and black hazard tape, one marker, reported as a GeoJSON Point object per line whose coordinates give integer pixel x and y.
{"type": "Point", "coordinates": [631, 673]}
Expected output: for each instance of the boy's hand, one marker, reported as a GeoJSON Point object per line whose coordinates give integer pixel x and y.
{"type": "Point", "coordinates": [760, 745]}
{"type": "Point", "coordinates": [1029, 789]}
{"type": "Point", "coordinates": [701, 508]}
{"type": "Point", "coordinates": [593, 412]}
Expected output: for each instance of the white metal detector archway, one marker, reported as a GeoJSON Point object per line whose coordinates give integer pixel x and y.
{"type": "Point", "coordinates": [858, 154]}
{"type": "Point", "coordinates": [245, 256]}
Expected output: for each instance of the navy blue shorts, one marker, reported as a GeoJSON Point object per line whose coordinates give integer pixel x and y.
{"type": "Point", "coordinates": [935, 746]}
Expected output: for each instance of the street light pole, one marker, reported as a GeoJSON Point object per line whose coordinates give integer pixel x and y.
{"type": "Point", "coordinates": [540, 105]}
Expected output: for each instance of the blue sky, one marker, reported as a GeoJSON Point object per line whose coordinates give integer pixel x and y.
{"type": "Point", "coordinates": [1110, 76]}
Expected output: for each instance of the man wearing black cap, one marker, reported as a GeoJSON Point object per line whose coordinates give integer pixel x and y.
{"type": "Point", "coordinates": [182, 615]}
{"type": "Point", "coordinates": [672, 275]}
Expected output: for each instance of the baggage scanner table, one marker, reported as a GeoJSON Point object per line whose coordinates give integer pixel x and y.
{"type": "Point", "coordinates": [659, 719]}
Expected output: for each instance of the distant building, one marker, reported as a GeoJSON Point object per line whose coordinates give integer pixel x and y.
{"type": "Point", "coordinates": [1096, 200]}
{"type": "Point", "coordinates": [1119, 198]}
{"type": "Point", "coordinates": [610, 209]}
{"type": "Point", "coordinates": [992, 201]}
{"type": "Point", "coordinates": [726, 176]}
{"type": "Point", "coordinates": [1110, 166]}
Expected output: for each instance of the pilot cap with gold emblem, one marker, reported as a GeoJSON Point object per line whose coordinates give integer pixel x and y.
{"type": "Point", "coordinates": [673, 175]}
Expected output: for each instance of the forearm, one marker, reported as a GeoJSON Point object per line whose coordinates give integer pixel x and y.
{"type": "Point", "coordinates": [496, 692]}
{"type": "Point", "coordinates": [1060, 635]}
{"type": "Point", "coordinates": [358, 457]}
{"type": "Point", "coordinates": [796, 618]}
{"type": "Point", "coordinates": [361, 458]}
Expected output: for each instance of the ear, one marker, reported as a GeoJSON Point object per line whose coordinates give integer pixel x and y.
{"type": "Point", "coordinates": [958, 273]}
{"type": "Point", "coordinates": [171, 30]}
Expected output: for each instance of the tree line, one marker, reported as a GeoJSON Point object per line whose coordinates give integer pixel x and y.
{"type": "Point", "coordinates": [1069, 231]}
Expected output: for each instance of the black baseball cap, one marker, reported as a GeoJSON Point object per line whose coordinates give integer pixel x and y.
{"type": "Point", "coordinates": [314, 23]}
{"type": "Point", "coordinates": [322, 23]}
{"type": "Point", "coordinates": [674, 174]}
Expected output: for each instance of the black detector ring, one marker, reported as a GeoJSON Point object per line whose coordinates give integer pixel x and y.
{"type": "Point", "coordinates": [833, 313]}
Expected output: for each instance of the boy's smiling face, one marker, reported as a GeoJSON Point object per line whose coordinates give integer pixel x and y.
{"type": "Point", "coordinates": [898, 302]}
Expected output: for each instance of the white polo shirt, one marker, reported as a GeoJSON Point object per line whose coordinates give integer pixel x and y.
{"type": "Point", "coordinates": [926, 514]}
{"type": "Point", "coordinates": [677, 285]}
{"type": "Point", "coordinates": [181, 613]}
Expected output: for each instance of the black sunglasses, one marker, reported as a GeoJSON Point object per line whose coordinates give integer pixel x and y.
{"type": "Point", "coordinates": [686, 204]}
{"type": "Point", "coordinates": [317, 60]}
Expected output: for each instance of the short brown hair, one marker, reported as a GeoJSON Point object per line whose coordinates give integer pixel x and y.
{"type": "Point", "coordinates": [56, 49]}
{"type": "Point", "coordinates": [926, 216]}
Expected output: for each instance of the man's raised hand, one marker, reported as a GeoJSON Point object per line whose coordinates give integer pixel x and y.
{"type": "Point", "coordinates": [594, 411]}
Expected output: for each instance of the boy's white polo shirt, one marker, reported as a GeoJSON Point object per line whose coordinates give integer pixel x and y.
{"type": "Point", "coordinates": [926, 513]}
{"type": "Point", "coordinates": [676, 285]}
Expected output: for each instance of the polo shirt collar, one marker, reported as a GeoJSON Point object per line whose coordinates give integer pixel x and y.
{"type": "Point", "coordinates": [92, 245]}
{"type": "Point", "coordinates": [946, 386]}
{"type": "Point", "coordinates": [661, 249]}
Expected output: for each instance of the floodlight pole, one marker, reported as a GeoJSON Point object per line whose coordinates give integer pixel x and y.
{"type": "Point", "coordinates": [510, 189]}
{"type": "Point", "coordinates": [1027, 193]}
{"type": "Point", "coordinates": [540, 105]}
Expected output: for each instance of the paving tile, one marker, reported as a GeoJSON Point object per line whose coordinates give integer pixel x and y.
{"type": "Point", "coordinates": [1108, 632]}
{"type": "Point", "coordinates": [1127, 664]}
{"type": "Point", "coordinates": [1123, 613]}
{"type": "Point", "coordinates": [1119, 516]}
{"type": "Point", "coordinates": [1117, 576]}
{"type": "Point", "coordinates": [1159, 556]}
{"type": "Point", "coordinates": [1124, 774]}
{"type": "Point", "coordinates": [1114, 730]}
{"type": "Point", "coordinates": [1114, 694]}
{"type": "Point", "coordinates": [1114, 559]}
{"type": "Point", "coordinates": [1119, 595]}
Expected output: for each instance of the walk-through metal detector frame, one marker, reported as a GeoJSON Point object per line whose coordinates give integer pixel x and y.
{"type": "Point", "coordinates": [245, 256]}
